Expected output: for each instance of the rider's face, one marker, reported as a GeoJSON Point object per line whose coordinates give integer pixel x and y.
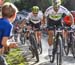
{"type": "Point", "coordinates": [56, 8]}
{"type": "Point", "coordinates": [35, 14]}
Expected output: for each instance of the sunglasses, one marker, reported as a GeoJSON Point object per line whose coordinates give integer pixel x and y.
{"type": "Point", "coordinates": [35, 13]}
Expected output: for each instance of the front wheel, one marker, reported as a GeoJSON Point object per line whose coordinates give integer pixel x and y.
{"type": "Point", "coordinates": [40, 48]}
{"type": "Point", "coordinates": [22, 39]}
{"type": "Point", "coordinates": [34, 46]}
{"type": "Point", "coordinates": [66, 45]}
{"type": "Point", "coordinates": [52, 58]}
{"type": "Point", "coordinates": [59, 51]}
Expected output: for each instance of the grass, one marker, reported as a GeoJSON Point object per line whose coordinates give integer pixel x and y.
{"type": "Point", "coordinates": [15, 57]}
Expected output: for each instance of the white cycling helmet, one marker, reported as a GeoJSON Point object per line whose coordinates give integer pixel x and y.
{"type": "Point", "coordinates": [56, 3]}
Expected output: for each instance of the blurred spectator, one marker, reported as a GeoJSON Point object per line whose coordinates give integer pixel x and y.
{"type": "Point", "coordinates": [8, 16]}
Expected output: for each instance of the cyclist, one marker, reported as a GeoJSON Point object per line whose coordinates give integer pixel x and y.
{"type": "Point", "coordinates": [22, 31]}
{"type": "Point", "coordinates": [15, 30]}
{"type": "Point", "coordinates": [35, 19]}
{"type": "Point", "coordinates": [8, 16]}
{"type": "Point", "coordinates": [73, 13]}
{"type": "Point", "coordinates": [53, 16]}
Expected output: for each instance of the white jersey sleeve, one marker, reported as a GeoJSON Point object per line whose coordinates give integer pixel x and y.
{"type": "Point", "coordinates": [65, 10]}
{"type": "Point", "coordinates": [47, 11]}
{"type": "Point", "coordinates": [41, 15]}
{"type": "Point", "coordinates": [28, 17]}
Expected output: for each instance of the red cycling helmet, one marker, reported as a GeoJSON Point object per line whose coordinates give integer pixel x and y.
{"type": "Point", "coordinates": [67, 20]}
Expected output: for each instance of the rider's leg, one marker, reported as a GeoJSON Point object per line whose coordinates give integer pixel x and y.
{"type": "Point", "coordinates": [38, 36]}
{"type": "Point", "coordinates": [65, 35]}
{"type": "Point", "coordinates": [50, 42]}
{"type": "Point", "coordinates": [38, 32]}
{"type": "Point", "coordinates": [27, 35]}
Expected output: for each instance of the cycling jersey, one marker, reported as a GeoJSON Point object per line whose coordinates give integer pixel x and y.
{"type": "Point", "coordinates": [5, 29]}
{"type": "Point", "coordinates": [56, 15]}
{"type": "Point", "coordinates": [37, 25]}
{"type": "Point", "coordinates": [35, 19]}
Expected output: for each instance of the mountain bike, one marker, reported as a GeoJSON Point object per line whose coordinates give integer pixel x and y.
{"type": "Point", "coordinates": [57, 45]}
{"type": "Point", "coordinates": [70, 44]}
{"type": "Point", "coordinates": [34, 45]}
{"type": "Point", "coordinates": [22, 36]}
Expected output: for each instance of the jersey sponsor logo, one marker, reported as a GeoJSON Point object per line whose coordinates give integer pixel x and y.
{"type": "Point", "coordinates": [55, 17]}
{"type": "Point", "coordinates": [34, 20]}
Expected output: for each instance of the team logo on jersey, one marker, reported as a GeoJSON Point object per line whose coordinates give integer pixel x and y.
{"type": "Point", "coordinates": [55, 17]}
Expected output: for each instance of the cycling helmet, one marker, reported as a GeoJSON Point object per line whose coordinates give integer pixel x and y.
{"type": "Point", "coordinates": [56, 3]}
{"type": "Point", "coordinates": [35, 9]}
{"type": "Point", "coordinates": [67, 21]}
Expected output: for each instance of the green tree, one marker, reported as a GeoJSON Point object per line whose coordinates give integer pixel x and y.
{"type": "Point", "coordinates": [7, 0]}
{"type": "Point", "coordinates": [27, 4]}
{"type": "Point", "coordinates": [43, 4]}
{"type": "Point", "coordinates": [23, 4]}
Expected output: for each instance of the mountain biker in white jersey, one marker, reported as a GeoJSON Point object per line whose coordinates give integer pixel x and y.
{"type": "Point", "coordinates": [53, 16]}
{"type": "Point", "coordinates": [35, 19]}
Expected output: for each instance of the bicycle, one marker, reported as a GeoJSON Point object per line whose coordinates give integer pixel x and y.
{"type": "Point", "coordinates": [34, 45]}
{"type": "Point", "coordinates": [70, 41]}
{"type": "Point", "coordinates": [15, 36]}
{"type": "Point", "coordinates": [57, 45]}
{"type": "Point", "coordinates": [73, 43]}
{"type": "Point", "coordinates": [22, 36]}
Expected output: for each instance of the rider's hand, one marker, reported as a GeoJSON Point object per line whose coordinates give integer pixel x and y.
{"type": "Point", "coordinates": [43, 26]}
{"type": "Point", "coordinates": [29, 27]}
{"type": "Point", "coordinates": [73, 26]}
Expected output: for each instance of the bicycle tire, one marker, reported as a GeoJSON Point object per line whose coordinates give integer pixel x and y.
{"type": "Point", "coordinates": [15, 37]}
{"type": "Point", "coordinates": [66, 47]}
{"type": "Point", "coordinates": [59, 51]}
{"type": "Point", "coordinates": [22, 39]}
{"type": "Point", "coordinates": [73, 46]}
{"type": "Point", "coordinates": [52, 58]}
{"type": "Point", "coordinates": [34, 46]}
{"type": "Point", "coordinates": [40, 48]}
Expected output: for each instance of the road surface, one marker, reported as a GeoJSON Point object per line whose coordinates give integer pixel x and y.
{"type": "Point", "coordinates": [44, 59]}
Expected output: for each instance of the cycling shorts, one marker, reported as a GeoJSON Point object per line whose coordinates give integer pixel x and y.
{"type": "Point", "coordinates": [37, 25]}
{"type": "Point", "coordinates": [52, 23]}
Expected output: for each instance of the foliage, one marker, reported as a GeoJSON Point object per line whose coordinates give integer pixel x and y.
{"type": "Point", "coordinates": [15, 57]}
{"type": "Point", "coordinates": [7, 0]}
{"type": "Point", "coordinates": [43, 4]}
{"type": "Point", "coordinates": [23, 4]}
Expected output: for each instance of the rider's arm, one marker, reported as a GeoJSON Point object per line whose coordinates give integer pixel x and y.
{"type": "Point", "coordinates": [71, 18]}
{"type": "Point", "coordinates": [68, 13]}
{"type": "Point", "coordinates": [28, 19]}
{"type": "Point", "coordinates": [44, 20]}
{"type": "Point", "coordinates": [41, 16]}
{"type": "Point", "coordinates": [46, 13]}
